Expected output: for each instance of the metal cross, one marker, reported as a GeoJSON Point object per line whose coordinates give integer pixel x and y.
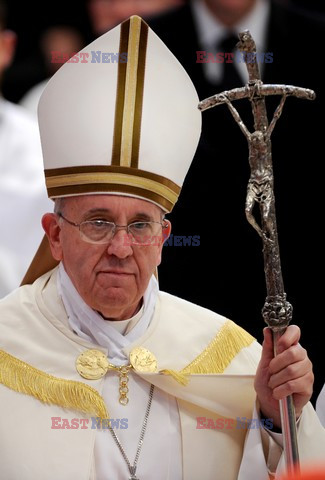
{"type": "Point", "coordinates": [277, 311]}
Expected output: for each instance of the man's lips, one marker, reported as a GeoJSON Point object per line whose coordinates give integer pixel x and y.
{"type": "Point", "coordinates": [115, 272]}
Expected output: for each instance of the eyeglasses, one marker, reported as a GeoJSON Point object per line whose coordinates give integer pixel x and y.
{"type": "Point", "coordinates": [101, 231]}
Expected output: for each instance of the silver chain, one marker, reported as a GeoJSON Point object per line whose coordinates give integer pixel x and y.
{"type": "Point", "coordinates": [133, 468]}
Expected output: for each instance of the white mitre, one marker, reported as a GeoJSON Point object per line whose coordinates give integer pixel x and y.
{"type": "Point", "coordinates": [121, 127]}
{"type": "Point", "coordinates": [120, 117]}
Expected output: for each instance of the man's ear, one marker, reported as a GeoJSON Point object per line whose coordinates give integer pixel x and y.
{"type": "Point", "coordinates": [50, 224]}
{"type": "Point", "coordinates": [167, 228]}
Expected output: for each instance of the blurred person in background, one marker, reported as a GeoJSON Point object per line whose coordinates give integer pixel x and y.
{"type": "Point", "coordinates": [293, 43]}
{"type": "Point", "coordinates": [106, 14]}
{"type": "Point", "coordinates": [56, 42]}
{"type": "Point", "coordinates": [90, 18]}
{"type": "Point", "coordinates": [22, 189]}
{"type": "Point", "coordinates": [68, 38]}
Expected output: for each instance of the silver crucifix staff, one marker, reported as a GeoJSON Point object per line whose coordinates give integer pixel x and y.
{"type": "Point", "coordinates": [277, 312]}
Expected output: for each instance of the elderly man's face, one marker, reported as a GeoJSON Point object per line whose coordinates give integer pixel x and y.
{"type": "Point", "coordinates": [111, 278]}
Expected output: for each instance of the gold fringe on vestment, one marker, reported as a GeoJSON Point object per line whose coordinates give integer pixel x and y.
{"type": "Point", "coordinates": [23, 378]}
{"type": "Point", "coordinates": [216, 357]}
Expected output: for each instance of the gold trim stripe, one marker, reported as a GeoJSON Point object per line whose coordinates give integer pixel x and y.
{"type": "Point", "coordinates": [112, 178]}
{"type": "Point", "coordinates": [114, 189]}
{"type": "Point", "coordinates": [63, 189]}
{"type": "Point", "coordinates": [53, 172]}
{"type": "Point", "coordinates": [129, 96]}
{"type": "Point", "coordinates": [130, 92]}
{"type": "Point", "coordinates": [23, 378]}
{"type": "Point", "coordinates": [139, 95]}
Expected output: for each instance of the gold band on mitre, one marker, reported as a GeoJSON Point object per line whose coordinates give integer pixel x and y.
{"type": "Point", "coordinates": [61, 182]}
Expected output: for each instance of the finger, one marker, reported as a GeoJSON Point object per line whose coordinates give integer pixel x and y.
{"type": "Point", "coordinates": [300, 387]}
{"type": "Point", "coordinates": [293, 354]}
{"type": "Point", "coordinates": [291, 372]}
{"type": "Point", "coordinates": [267, 351]}
{"type": "Point", "coordinates": [290, 337]}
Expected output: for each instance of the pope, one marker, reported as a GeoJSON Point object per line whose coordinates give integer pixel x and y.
{"type": "Point", "coordinates": [91, 335]}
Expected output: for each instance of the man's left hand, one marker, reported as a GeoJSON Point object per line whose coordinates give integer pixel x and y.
{"type": "Point", "coordinates": [289, 373]}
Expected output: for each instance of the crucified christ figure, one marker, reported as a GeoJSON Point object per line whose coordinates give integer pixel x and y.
{"type": "Point", "coordinates": [260, 184]}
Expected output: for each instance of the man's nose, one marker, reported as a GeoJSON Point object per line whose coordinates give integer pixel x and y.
{"type": "Point", "coordinates": [120, 245]}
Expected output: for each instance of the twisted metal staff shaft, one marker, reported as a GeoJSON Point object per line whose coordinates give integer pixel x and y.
{"type": "Point", "coordinates": [277, 312]}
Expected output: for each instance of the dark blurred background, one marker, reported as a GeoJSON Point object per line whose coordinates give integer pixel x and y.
{"type": "Point", "coordinates": [87, 18]}
{"type": "Point", "coordinates": [31, 24]}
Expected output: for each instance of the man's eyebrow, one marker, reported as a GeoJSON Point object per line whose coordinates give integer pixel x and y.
{"type": "Point", "coordinates": [142, 216]}
{"type": "Point", "coordinates": [106, 211]}
{"type": "Point", "coordinates": [97, 211]}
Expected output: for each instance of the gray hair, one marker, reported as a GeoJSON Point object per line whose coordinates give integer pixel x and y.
{"type": "Point", "coordinates": [59, 204]}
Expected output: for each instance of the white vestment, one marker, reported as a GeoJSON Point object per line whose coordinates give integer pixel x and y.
{"type": "Point", "coordinates": [38, 351]}
{"type": "Point", "coordinates": [320, 406]}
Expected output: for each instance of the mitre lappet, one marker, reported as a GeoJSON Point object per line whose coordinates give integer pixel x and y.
{"type": "Point", "coordinates": [120, 117]}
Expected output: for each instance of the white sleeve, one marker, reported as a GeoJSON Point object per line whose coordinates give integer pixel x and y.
{"type": "Point", "coordinates": [263, 450]}
{"type": "Point", "coordinates": [320, 406]}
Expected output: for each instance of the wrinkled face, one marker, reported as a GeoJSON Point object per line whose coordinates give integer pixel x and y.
{"type": "Point", "coordinates": [111, 278]}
